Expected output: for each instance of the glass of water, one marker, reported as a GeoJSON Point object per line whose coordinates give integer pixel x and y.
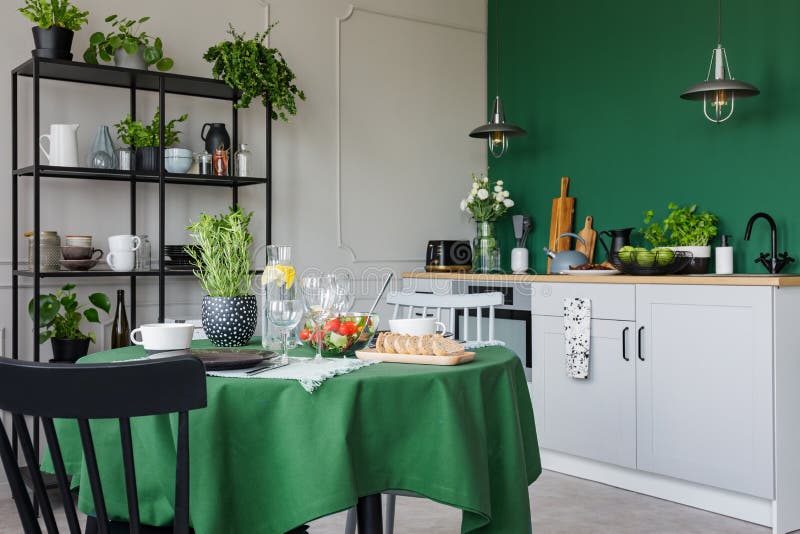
{"type": "Point", "coordinates": [284, 315]}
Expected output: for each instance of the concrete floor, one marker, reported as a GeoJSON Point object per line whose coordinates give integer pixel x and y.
{"type": "Point", "coordinates": [560, 504]}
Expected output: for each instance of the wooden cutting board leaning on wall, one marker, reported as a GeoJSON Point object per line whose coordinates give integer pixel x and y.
{"type": "Point", "coordinates": [561, 219]}
{"type": "Point", "coordinates": [589, 235]}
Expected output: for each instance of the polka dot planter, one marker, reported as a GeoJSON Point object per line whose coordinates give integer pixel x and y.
{"type": "Point", "coordinates": [230, 321]}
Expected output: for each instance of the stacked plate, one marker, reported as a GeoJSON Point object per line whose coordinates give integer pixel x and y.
{"type": "Point", "coordinates": [177, 257]}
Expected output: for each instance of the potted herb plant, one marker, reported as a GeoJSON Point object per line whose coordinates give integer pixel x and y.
{"type": "Point", "coordinates": [257, 71]}
{"type": "Point", "coordinates": [128, 45]}
{"type": "Point", "coordinates": [56, 23]}
{"type": "Point", "coordinates": [144, 138]}
{"type": "Point", "coordinates": [684, 229]}
{"type": "Point", "coordinates": [60, 318]}
{"type": "Point", "coordinates": [222, 264]}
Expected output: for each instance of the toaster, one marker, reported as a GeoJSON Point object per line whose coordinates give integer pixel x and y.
{"type": "Point", "coordinates": [448, 256]}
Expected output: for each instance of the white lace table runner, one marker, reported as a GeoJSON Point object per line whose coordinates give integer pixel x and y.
{"type": "Point", "coordinates": [310, 375]}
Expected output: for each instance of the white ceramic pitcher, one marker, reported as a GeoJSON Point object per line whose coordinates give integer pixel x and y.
{"type": "Point", "coordinates": [63, 141]}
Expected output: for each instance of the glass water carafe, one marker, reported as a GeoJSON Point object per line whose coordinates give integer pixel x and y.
{"type": "Point", "coordinates": [279, 283]}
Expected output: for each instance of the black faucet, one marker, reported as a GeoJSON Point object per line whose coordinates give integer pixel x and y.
{"type": "Point", "coordinates": [773, 262]}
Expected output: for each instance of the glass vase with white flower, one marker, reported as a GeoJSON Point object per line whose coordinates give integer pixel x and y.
{"type": "Point", "coordinates": [486, 202]}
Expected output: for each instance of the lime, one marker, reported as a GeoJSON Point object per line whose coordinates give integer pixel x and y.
{"type": "Point", "coordinates": [645, 258]}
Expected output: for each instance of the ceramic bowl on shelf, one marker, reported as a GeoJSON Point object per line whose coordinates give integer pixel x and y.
{"type": "Point", "coordinates": [177, 160]}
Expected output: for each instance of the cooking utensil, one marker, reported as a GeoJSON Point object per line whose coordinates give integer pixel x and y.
{"type": "Point", "coordinates": [527, 226]}
{"type": "Point", "coordinates": [516, 221]}
{"type": "Point", "coordinates": [375, 305]}
{"type": "Point", "coordinates": [563, 260]}
{"type": "Point", "coordinates": [561, 220]}
{"type": "Point", "coordinates": [589, 236]}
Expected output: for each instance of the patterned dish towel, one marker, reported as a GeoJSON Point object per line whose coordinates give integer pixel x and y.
{"type": "Point", "coordinates": [577, 332]}
{"type": "Point", "coordinates": [310, 375]}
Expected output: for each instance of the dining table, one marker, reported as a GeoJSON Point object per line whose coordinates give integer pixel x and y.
{"type": "Point", "coordinates": [266, 456]}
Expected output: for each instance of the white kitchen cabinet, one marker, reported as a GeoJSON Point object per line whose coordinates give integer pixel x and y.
{"type": "Point", "coordinates": [593, 418]}
{"type": "Point", "coordinates": [704, 385]}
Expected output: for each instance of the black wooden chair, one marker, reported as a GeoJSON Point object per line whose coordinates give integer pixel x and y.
{"type": "Point", "coordinates": [96, 391]}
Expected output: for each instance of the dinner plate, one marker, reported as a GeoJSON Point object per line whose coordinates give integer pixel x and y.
{"type": "Point", "coordinates": [594, 272]}
{"type": "Point", "coordinates": [222, 359]}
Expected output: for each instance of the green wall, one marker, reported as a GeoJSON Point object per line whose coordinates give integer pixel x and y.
{"type": "Point", "coordinates": [596, 83]}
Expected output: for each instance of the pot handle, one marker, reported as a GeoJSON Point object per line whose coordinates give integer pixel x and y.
{"type": "Point", "coordinates": [600, 240]}
{"type": "Point", "coordinates": [576, 236]}
{"type": "Point", "coordinates": [49, 142]}
{"type": "Point", "coordinates": [203, 132]}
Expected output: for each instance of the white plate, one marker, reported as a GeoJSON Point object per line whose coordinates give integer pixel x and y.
{"type": "Point", "coordinates": [598, 272]}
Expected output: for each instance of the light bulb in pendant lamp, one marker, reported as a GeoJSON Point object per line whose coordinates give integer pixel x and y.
{"type": "Point", "coordinates": [719, 94]}
{"type": "Point", "coordinates": [497, 130]}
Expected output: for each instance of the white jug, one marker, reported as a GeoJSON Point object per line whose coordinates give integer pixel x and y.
{"type": "Point", "coordinates": [63, 141]}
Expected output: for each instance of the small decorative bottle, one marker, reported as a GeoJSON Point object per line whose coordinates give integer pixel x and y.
{"type": "Point", "coordinates": [220, 162]}
{"type": "Point", "coordinates": [120, 331]}
{"type": "Point", "coordinates": [244, 159]}
{"type": "Point", "coordinates": [102, 154]}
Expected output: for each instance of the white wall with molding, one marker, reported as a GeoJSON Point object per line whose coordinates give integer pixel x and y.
{"type": "Point", "coordinates": [373, 165]}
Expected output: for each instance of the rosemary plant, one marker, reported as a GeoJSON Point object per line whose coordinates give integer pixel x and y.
{"type": "Point", "coordinates": [222, 254]}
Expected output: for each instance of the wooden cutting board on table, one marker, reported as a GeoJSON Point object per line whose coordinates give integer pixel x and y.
{"type": "Point", "coordinates": [561, 219]}
{"type": "Point", "coordinates": [590, 236]}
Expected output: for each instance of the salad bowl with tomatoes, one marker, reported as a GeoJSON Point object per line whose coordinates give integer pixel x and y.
{"type": "Point", "coordinates": [342, 335]}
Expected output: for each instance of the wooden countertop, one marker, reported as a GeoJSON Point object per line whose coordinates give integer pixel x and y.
{"type": "Point", "coordinates": [780, 280]}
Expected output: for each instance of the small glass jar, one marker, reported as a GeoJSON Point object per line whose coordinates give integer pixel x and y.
{"type": "Point", "coordinates": [204, 161]}
{"type": "Point", "coordinates": [244, 159]}
{"type": "Point", "coordinates": [143, 254]}
{"type": "Point", "coordinates": [124, 157]}
{"type": "Point", "coordinates": [49, 251]}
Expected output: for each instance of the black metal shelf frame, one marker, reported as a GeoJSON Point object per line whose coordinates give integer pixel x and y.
{"type": "Point", "coordinates": [134, 80]}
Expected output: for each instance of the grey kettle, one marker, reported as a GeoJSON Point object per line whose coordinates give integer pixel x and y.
{"type": "Point", "coordinates": [562, 261]}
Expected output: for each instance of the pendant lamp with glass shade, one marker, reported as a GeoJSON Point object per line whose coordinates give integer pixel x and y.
{"type": "Point", "coordinates": [497, 131]}
{"type": "Point", "coordinates": [719, 93]}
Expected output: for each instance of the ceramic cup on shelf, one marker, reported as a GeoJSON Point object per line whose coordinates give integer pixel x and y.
{"type": "Point", "coordinates": [77, 241]}
{"type": "Point", "coordinates": [80, 253]}
{"type": "Point", "coordinates": [417, 326]}
{"type": "Point", "coordinates": [162, 337]}
{"type": "Point", "coordinates": [121, 260]}
{"type": "Point", "coordinates": [123, 243]}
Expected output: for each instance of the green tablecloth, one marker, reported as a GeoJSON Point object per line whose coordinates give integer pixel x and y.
{"type": "Point", "coordinates": [266, 456]}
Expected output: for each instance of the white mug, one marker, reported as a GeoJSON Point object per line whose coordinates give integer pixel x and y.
{"type": "Point", "coordinates": [63, 141]}
{"type": "Point", "coordinates": [417, 327]}
{"type": "Point", "coordinates": [121, 260]}
{"type": "Point", "coordinates": [162, 337]}
{"type": "Point", "coordinates": [125, 242]}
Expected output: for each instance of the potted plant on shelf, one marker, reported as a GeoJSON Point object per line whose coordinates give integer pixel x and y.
{"type": "Point", "coordinates": [60, 317]}
{"type": "Point", "coordinates": [130, 47]}
{"type": "Point", "coordinates": [222, 264]}
{"type": "Point", "coordinates": [257, 71]}
{"type": "Point", "coordinates": [56, 23]}
{"type": "Point", "coordinates": [486, 202]}
{"type": "Point", "coordinates": [144, 138]}
{"type": "Point", "coordinates": [684, 229]}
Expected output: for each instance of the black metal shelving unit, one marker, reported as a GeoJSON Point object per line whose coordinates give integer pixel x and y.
{"type": "Point", "coordinates": [134, 80]}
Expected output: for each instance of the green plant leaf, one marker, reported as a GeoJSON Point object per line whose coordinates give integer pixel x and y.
{"type": "Point", "coordinates": [90, 56]}
{"type": "Point", "coordinates": [44, 336]}
{"type": "Point", "coordinates": [48, 309]}
{"type": "Point", "coordinates": [165, 64]}
{"type": "Point", "coordinates": [101, 301]}
{"type": "Point", "coordinates": [91, 315]}
{"type": "Point", "coordinates": [158, 44]}
{"type": "Point", "coordinates": [96, 38]}
{"type": "Point", "coordinates": [105, 56]}
{"type": "Point", "coordinates": [67, 287]}
{"type": "Point", "coordinates": [151, 55]}
{"type": "Point", "coordinates": [130, 45]}
{"type": "Point", "coordinates": [110, 18]}
{"type": "Point", "coordinates": [143, 19]}
{"type": "Point", "coordinates": [115, 42]}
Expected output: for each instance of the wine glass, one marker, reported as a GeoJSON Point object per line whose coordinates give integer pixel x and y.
{"type": "Point", "coordinates": [284, 315]}
{"type": "Point", "coordinates": [319, 295]}
{"type": "Point", "coordinates": [345, 292]}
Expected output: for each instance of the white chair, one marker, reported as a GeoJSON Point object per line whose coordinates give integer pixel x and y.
{"type": "Point", "coordinates": [427, 304]}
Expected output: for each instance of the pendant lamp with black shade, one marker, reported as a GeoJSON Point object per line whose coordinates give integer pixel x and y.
{"type": "Point", "coordinates": [719, 93]}
{"type": "Point", "coordinates": [497, 131]}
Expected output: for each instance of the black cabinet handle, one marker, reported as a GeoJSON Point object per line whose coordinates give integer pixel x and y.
{"type": "Point", "coordinates": [624, 350]}
{"type": "Point", "coordinates": [639, 348]}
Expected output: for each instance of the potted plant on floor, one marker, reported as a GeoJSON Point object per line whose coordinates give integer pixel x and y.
{"type": "Point", "coordinates": [56, 23]}
{"type": "Point", "coordinates": [60, 318]}
{"type": "Point", "coordinates": [257, 71]}
{"type": "Point", "coordinates": [130, 47]}
{"type": "Point", "coordinates": [144, 138]}
{"type": "Point", "coordinates": [684, 229]}
{"type": "Point", "coordinates": [222, 264]}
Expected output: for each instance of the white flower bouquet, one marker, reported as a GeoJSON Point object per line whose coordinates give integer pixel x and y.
{"type": "Point", "coordinates": [487, 201]}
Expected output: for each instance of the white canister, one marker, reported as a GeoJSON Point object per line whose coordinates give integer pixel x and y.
{"type": "Point", "coordinates": [519, 260]}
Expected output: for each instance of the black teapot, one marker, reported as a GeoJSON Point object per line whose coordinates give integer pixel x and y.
{"type": "Point", "coordinates": [619, 238]}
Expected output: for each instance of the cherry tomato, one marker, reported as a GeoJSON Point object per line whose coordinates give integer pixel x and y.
{"type": "Point", "coordinates": [305, 334]}
{"type": "Point", "coordinates": [333, 325]}
{"type": "Point", "coordinates": [348, 329]}
{"type": "Point", "coordinates": [318, 337]}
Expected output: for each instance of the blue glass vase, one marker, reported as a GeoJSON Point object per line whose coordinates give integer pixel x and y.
{"type": "Point", "coordinates": [102, 154]}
